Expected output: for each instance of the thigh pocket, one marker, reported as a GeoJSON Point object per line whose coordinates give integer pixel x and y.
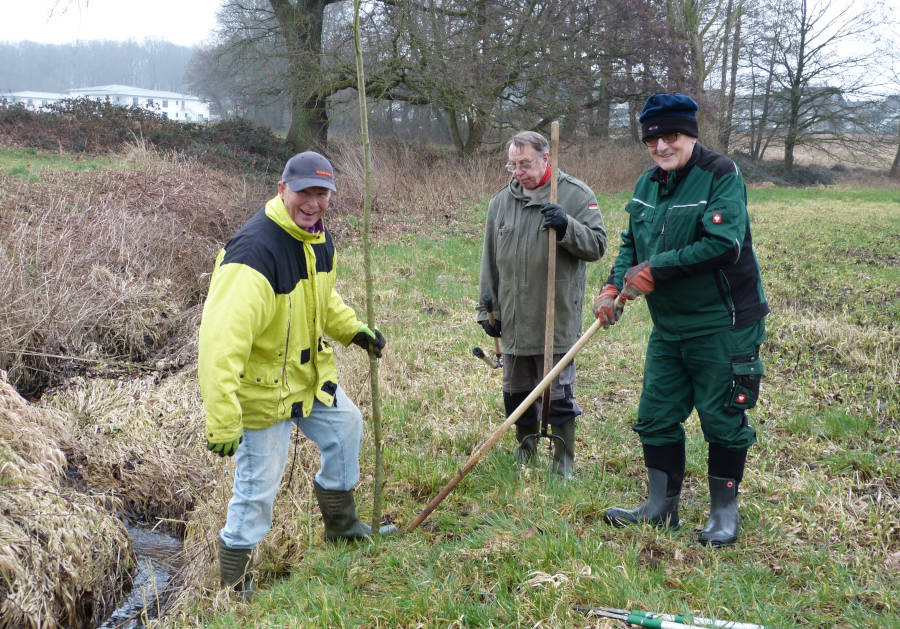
{"type": "Point", "coordinates": [746, 374]}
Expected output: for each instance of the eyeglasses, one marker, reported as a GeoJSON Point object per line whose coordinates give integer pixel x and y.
{"type": "Point", "coordinates": [523, 165]}
{"type": "Point", "coordinates": [668, 138]}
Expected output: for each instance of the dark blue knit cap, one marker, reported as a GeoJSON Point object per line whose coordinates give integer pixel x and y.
{"type": "Point", "coordinates": [669, 113]}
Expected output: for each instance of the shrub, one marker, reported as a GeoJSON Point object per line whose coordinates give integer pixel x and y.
{"type": "Point", "coordinates": [83, 125]}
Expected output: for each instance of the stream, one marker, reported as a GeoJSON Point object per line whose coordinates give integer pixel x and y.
{"type": "Point", "coordinates": [156, 568]}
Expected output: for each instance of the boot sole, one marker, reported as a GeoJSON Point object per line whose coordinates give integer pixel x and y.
{"type": "Point", "coordinates": [620, 523]}
{"type": "Point", "coordinates": [715, 543]}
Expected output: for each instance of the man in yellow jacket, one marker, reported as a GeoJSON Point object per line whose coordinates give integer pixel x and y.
{"type": "Point", "coordinates": [265, 364]}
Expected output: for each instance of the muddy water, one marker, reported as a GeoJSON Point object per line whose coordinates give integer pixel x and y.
{"type": "Point", "coordinates": [157, 567]}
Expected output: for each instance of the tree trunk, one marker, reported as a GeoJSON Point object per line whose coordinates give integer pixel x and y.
{"type": "Point", "coordinates": [724, 122]}
{"type": "Point", "coordinates": [758, 150]}
{"type": "Point", "coordinates": [476, 135]}
{"type": "Point", "coordinates": [454, 131]}
{"type": "Point", "coordinates": [895, 167]}
{"type": "Point", "coordinates": [732, 89]}
{"type": "Point", "coordinates": [598, 126]}
{"type": "Point", "coordinates": [301, 26]}
{"type": "Point", "coordinates": [309, 123]}
{"type": "Point", "coordinates": [633, 126]}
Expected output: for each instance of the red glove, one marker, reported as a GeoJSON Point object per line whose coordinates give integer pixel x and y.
{"type": "Point", "coordinates": [605, 307]}
{"type": "Point", "coordinates": [638, 281]}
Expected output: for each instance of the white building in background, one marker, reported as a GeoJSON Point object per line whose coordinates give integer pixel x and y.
{"type": "Point", "coordinates": [34, 101]}
{"type": "Point", "coordinates": [172, 105]}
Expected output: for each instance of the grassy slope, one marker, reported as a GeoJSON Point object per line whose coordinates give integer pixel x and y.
{"type": "Point", "coordinates": [820, 501]}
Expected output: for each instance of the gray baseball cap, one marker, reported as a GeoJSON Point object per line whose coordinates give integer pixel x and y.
{"type": "Point", "coordinates": [306, 170]}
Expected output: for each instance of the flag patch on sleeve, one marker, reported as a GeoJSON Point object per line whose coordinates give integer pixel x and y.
{"type": "Point", "coordinates": [593, 206]}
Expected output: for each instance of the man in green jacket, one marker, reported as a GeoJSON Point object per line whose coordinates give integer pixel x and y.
{"type": "Point", "coordinates": [514, 276]}
{"type": "Point", "coordinates": [688, 248]}
{"type": "Point", "coordinates": [265, 364]}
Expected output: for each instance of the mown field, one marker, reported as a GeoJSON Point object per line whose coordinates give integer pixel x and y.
{"type": "Point", "coordinates": [508, 547]}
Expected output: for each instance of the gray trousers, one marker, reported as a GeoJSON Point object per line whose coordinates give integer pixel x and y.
{"type": "Point", "coordinates": [521, 374]}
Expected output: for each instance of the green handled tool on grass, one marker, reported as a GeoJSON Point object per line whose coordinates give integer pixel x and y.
{"type": "Point", "coordinates": [652, 620]}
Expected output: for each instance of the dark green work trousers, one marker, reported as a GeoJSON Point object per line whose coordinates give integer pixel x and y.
{"type": "Point", "coordinates": [718, 374]}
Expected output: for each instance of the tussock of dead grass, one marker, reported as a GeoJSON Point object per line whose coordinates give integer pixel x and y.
{"type": "Point", "coordinates": [63, 556]}
{"type": "Point", "coordinates": [139, 437]}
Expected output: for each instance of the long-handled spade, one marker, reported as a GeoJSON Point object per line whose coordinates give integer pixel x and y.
{"type": "Point", "coordinates": [514, 416]}
{"type": "Point", "coordinates": [550, 316]}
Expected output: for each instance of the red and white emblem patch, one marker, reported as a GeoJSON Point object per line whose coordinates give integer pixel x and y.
{"type": "Point", "coordinates": [741, 398]}
{"type": "Point", "coordinates": [717, 218]}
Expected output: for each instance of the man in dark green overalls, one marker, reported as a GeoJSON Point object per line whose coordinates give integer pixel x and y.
{"type": "Point", "coordinates": [688, 248]}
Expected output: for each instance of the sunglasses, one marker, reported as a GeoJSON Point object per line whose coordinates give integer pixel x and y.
{"type": "Point", "coordinates": [668, 138]}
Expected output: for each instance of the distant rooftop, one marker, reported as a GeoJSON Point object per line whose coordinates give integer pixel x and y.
{"type": "Point", "coordinates": [42, 95]}
{"type": "Point", "coordinates": [128, 90]}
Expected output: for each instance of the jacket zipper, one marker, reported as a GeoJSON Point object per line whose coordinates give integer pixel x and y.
{"type": "Point", "coordinates": [287, 344]}
{"type": "Point", "coordinates": [725, 294]}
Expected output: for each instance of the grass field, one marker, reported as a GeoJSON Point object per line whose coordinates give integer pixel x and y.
{"type": "Point", "coordinates": [29, 163]}
{"type": "Point", "coordinates": [820, 500]}
{"type": "Point", "coordinates": [508, 547]}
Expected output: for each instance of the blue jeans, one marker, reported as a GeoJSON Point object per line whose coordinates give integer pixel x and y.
{"type": "Point", "coordinates": [261, 457]}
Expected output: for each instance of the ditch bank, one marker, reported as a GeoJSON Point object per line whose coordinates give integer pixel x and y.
{"type": "Point", "coordinates": [77, 470]}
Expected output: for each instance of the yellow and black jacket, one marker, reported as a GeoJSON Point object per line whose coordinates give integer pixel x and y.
{"type": "Point", "coordinates": [262, 353]}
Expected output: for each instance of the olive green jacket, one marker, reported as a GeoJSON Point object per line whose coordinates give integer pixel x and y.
{"type": "Point", "coordinates": [514, 263]}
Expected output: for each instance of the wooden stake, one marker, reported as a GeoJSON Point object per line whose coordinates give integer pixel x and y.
{"type": "Point", "coordinates": [367, 263]}
{"type": "Point", "coordinates": [550, 317]}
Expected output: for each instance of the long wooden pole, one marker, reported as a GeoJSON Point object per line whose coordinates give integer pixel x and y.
{"type": "Point", "coordinates": [550, 316]}
{"type": "Point", "coordinates": [367, 263]}
{"type": "Point", "coordinates": [495, 436]}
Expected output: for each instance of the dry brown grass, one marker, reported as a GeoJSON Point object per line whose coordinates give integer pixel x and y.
{"type": "Point", "coordinates": [63, 555]}
{"type": "Point", "coordinates": [435, 191]}
{"type": "Point", "coordinates": [97, 265]}
{"type": "Point", "coordinates": [864, 151]}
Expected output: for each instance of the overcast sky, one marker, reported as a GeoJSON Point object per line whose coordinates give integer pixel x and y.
{"type": "Point", "coordinates": [183, 22]}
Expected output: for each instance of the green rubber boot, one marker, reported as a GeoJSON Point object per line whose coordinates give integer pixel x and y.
{"type": "Point", "coordinates": [564, 453]}
{"type": "Point", "coordinates": [724, 519]}
{"type": "Point", "coordinates": [233, 563]}
{"type": "Point", "coordinates": [660, 509]}
{"type": "Point", "coordinates": [339, 514]}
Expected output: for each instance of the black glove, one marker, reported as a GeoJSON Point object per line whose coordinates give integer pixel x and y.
{"type": "Point", "coordinates": [555, 218]}
{"type": "Point", "coordinates": [491, 330]}
{"type": "Point", "coordinates": [366, 338]}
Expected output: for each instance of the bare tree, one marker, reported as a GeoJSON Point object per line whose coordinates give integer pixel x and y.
{"type": "Point", "coordinates": [728, 81]}
{"type": "Point", "coordinates": [805, 79]}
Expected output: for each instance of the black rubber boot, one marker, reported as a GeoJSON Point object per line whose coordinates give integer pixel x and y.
{"type": "Point", "coordinates": [660, 509]}
{"type": "Point", "coordinates": [564, 453]}
{"type": "Point", "coordinates": [665, 471]}
{"type": "Point", "coordinates": [233, 573]}
{"type": "Point", "coordinates": [726, 471]}
{"type": "Point", "coordinates": [339, 514]}
{"type": "Point", "coordinates": [724, 519]}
